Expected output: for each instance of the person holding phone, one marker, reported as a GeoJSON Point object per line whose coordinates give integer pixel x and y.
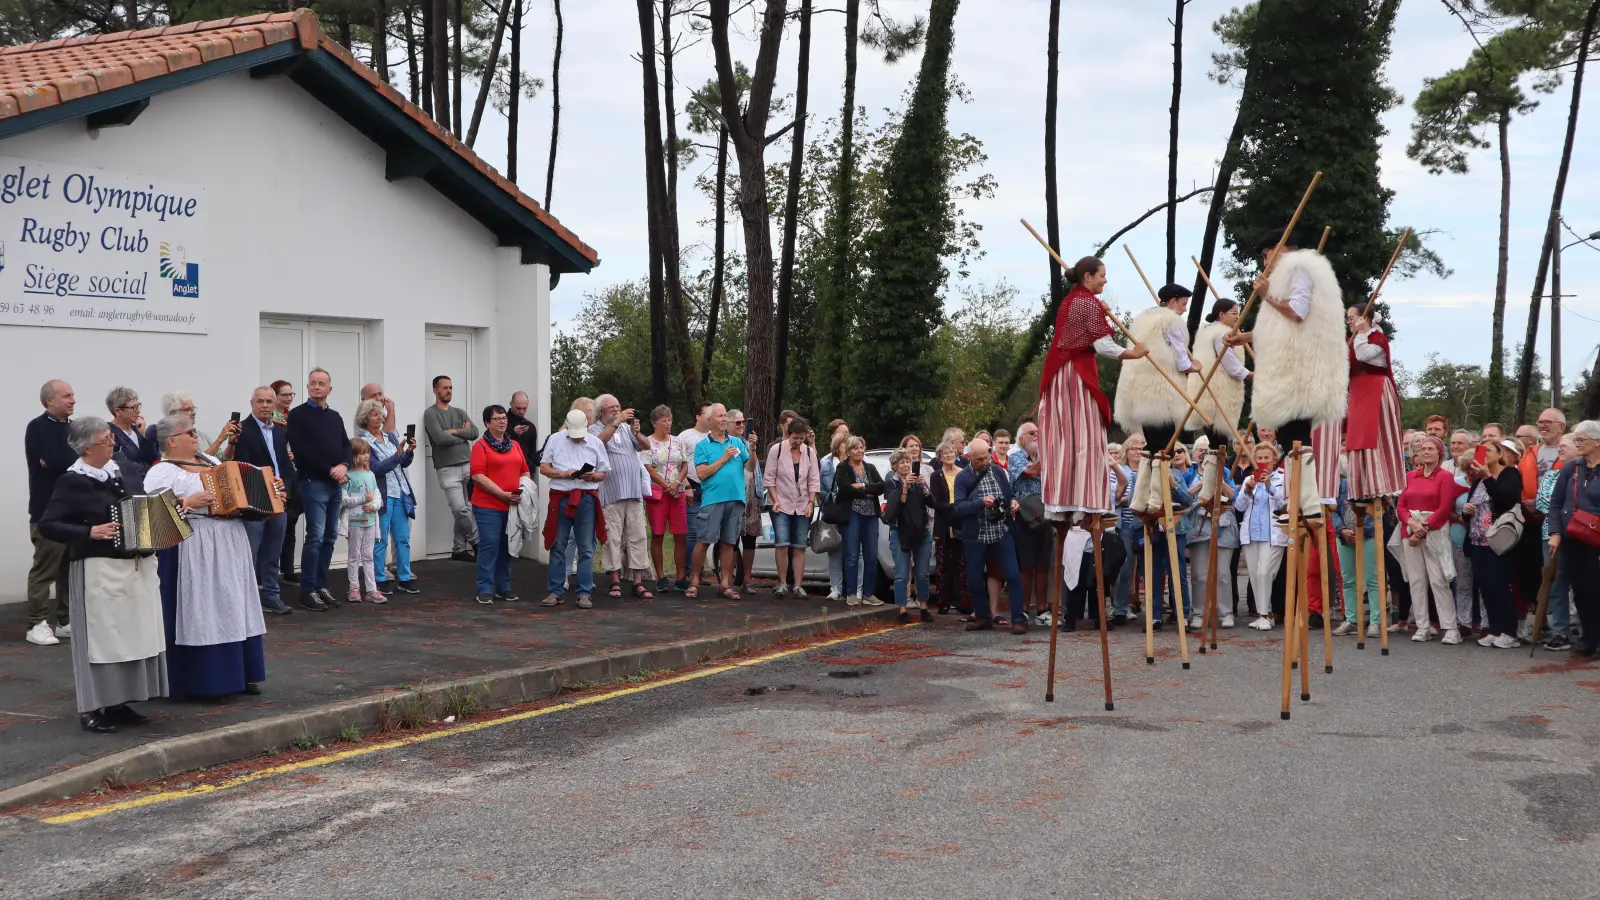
{"type": "Point", "coordinates": [391, 456]}
{"type": "Point", "coordinates": [576, 463]}
{"type": "Point", "coordinates": [793, 479]}
{"type": "Point", "coordinates": [1498, 489]}
{"type": "Point", "coordinates": [908, 512]}
{"type": "Point", "coordinates": [497, 467]}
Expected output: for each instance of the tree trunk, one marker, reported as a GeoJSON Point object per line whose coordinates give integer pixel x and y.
{"type": "Point", "coordinates": [555, 109]}
{"type": "Point", "coordinates": [1052, 199]}
{"type": "Point", "coordinates": [1172, 141]}
{"type": "Point", "coordinates": [131, 15]}
{"type": "Point", "coordinates": [791, 209]}
{"type": "Point", "coordinates": [380, 39]}
{"type": "Point", "coordinates": [455, 75]}
{"type": "Point", "coordinates": [426, 81]}
{"type": "Point", "coordinates": [655, 200]}
{"type": "Point", "coordinates": [837, 292]}
{"type": "Point", "coordinates": [719, 254]}
{"type": "Point", "coordinates": [1497, 338]}
{"type": "Point", "coordinates": [1552, 235]}
{"type": "Point", "coordinates": [414, 79]}
{"type": "Point", "coordinates": [748, 135]}
{"type": "Point", "coordinates": [514, 102]}
{"type": "Point", "coordinates": [344, 30]}
{"type": "Point", "coordinates": [441, 63]}
{"type": "Point", "coordinates": [488, 72]}
{"type": "Point", "coordinates": [672, 258]}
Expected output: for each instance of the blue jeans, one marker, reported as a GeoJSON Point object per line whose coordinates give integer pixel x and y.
{"type": "Point", "coordinates": [904, 558]}
{"type": "Point", "coordinates": [578, 529]}
{"type": "Point", "coordinates": [861, 553]}
{"type": "Point", "coordinates": [1164, 577]}
{"type": "Point", "coordinates": [393, 526]}
{"type": "Point", "coordinates": [1132, 535]}
{"type": "Point", "coordinates": [266, 545]}
{"type": "Point", "coordinates": [494, 551]}
{"type": "Point", "coordinates": [1558, 619]}
{"type": "Point", "coordinates": [320, 500]}
{"type": "Point", "coordinates": [979, 554]}
{"type": "Point", "coordinates": [691, 510]}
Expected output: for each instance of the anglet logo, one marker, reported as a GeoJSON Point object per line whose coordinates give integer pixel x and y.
{"type": "Point", "coordinates": [185, 275]}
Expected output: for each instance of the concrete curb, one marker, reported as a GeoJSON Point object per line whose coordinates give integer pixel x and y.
{"type": "Point", "coordinates": [492, 690]}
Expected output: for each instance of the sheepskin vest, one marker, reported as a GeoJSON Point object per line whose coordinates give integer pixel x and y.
{"type": "Point", "coordinates": [1143, 396]}
{"type": "Point", "coordinates": [1302, 368]}
{"type": "Point", "coordinates": [1223, 387]}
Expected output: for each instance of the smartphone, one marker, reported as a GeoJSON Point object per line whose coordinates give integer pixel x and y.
{"type": "Point", "coordinates": [587, 468]}
{"type": "Point", "coordinates": [1480, 456]}
{"type": "Point", "coordinates": [411, 432]}
{"type": "Point", "coordinates": [916, 467]}
{"type": "Point", "coordinates": [235, 419]}
{"type": "Point", "coordinates": [1263, 473]}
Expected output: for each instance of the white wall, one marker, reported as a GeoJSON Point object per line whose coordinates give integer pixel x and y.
{"type": "Point", "coordinates": [303, 223]}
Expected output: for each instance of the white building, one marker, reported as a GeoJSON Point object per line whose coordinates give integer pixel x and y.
{"type": "Point", "coordinates": [212, 207]}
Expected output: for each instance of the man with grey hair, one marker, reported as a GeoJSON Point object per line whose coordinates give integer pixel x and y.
{"type": "Point", "coordinates": [1552, 425]}
{"type": "Point", "coordinates": [127, 429]}
{"type": "Point", "coordinates": [181, 403]}
{"type": "Point", "coordinates": [49, 456]}
{"type": "Point", "coordinates": [622, 495]}
{"type": "Point", "coordinates": [262, 442]}
{"type": "Point", "coordinates": [374, 391]}
{"type": "Point", "coordinates": [451, 433]}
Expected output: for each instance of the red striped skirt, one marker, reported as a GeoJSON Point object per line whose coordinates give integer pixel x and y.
{"type": "Point", "coordinates": [1325, 440]}
{"type": "Point", "coordinates": [1072, 446]}
{"type": "Point", "coordinates": [1380, 472]}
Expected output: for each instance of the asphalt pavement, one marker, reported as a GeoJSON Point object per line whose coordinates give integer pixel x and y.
{"type": "Point", "coordinates": [925, 762]}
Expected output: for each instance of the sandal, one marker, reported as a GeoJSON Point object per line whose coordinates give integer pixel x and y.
{"type": "Point", "coordinates": [642, 592]}
{"type": "Point", "coordinates": [615, 592]}
{"type": "Point", "coordinates": [728, 593]}
{"type": "Point", "coordinates": [692, 592]}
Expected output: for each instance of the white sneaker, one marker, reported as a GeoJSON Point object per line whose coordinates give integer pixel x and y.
{"type": "Point", "coordinates": [1452, 636]}
{"type": "Point", "coordinates": [1227, 621]}
{"type": "Point", "coordinates": [65, 631]}
{"type": "Point", "coordinates": [871, 601]}
{"type": "Point", "coordinates": [833, 596]}
{"type": "Point", "coordinates": [1506, 642]}
{"type": "Point", "coordinates": [1486, 641]}
{"type": "Point", "coordinates": [1345, 628]}
{"type": "Point", "coordinates": [1421, 637]}
{"type": "Point", "coordinates": [852, 600]}
{"type": "Point", "coordinates": [1262, 624]}
{"type": "Point", "coordinates": [42, 634]}
{"type": "Point", "coordinates": [1525, 631]}
{"type": "Point", "coordinates": [1043, 620]}
{"type": "Point", "coordinates": [1374, 631]}
{"type": "Point", "coordinates": [1197, 623]}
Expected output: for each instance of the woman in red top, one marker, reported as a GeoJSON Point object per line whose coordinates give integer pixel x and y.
{"type": "Point", "coordinates": [1372, 437]}
{"type": "Point", "coordinates": [1425, 508]}
{"type": "Point", "coordinates": [497, 467]}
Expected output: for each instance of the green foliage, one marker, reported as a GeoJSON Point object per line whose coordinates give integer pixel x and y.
{"type": "Point", "coordinates": [1455, 109]}
{"type": "Point", "coordinates": [1465, 395]}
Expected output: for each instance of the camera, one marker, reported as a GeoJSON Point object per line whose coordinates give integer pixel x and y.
{"type": "Point", "coordinates": [994, 514]}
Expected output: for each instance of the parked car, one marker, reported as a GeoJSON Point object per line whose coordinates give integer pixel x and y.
{"type": "Point", "coordinates": [816, 573]}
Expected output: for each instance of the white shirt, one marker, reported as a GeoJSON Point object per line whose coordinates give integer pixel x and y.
{"type": "Point", "coordinates": [690, 438]}
{"type": "Point", "coordinates": [1178, 339]}
{"type": "Point", "coordinates": [564, 454]}
{"type": "Point", "coordinates": [1368, 353]}
{"type": "Point", "coordinates": [182, 480]}
{"type": "Point", "coordinates": [1109, 348]}
{"type": "Point", "coordinates": [1300, 293]}
{"type": "Point", "coordinates": [1230, 361]}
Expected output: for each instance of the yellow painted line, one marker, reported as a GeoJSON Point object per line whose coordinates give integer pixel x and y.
{"type": "Point", "coordinates": [468, 728]}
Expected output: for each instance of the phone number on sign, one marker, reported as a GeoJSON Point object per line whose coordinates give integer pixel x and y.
{"type": "Point", "coordinates": [27, 309]}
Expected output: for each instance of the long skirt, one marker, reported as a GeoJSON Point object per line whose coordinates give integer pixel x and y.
{"type": "Point", "coordinates": [224, 667]}
{"type": "Point", "coordinates": [1381, 471]}
{"type": "Point", "coordinates": [1325, 451]}
{"type": "Point", "coordinates": [1072, 445]}
{"type": "Point", "coordinates": [108, 684]}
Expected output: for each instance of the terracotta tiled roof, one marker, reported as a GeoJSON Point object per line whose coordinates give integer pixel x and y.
{"type": "Point", "coordinates": [50, 73]}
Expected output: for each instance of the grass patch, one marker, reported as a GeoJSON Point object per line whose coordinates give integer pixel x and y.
{"type": "Point", "coordinates": [463, 703]}
{"type": "Point", "coordinates": [350, 734]}
{"type": "Point", "coordinates": [304, 742]}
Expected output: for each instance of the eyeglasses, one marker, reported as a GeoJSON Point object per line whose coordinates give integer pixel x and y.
{"type": "Point", "coordinates": [288, 394]}
{"type": "Point", "coordinates": [192, 433]}
{"type": "Point", "coordinates": [131, 406]}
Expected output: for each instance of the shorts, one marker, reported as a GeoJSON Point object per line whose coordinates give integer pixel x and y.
{"type": "Point", "coordinates": [669, 515]}
{"type": "Point", "coordinates": [720, 523]}
{"type": "Point", "coordinates": [790, 530]}
{"type": "Point", "coordinates": [1033, 545]}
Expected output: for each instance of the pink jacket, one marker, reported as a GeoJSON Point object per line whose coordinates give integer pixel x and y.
{"type": "Point", "coordinates": [786, 495]}
{"type": "Point", "coordinates": [1435, 496]}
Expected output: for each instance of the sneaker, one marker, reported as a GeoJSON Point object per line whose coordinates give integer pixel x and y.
{"type": "Point", "coordinates": [1525, 630]}
{"type": "Point", "coordinates": [507, 597]}
{"type": "Point", "coordinates": [1451, 636]}
{"type": "Point", "coordinates": [1119, 619]}
{"type": "Point", "coordinates": [327, 599]}
{"type": "Point", "coordinates": [905, 616]}
{"type": "Point", "coordinates": [312, 602]}
{"type": "Point", "coordinates": [1262, 623]}
{"type": "Point", "coordinates": [1421, 637]}
{"type": "Point", "coordinates": [797, 592]}
{"type": "Point", "coordinates": [42, 634]}
{"type": "Point", "coordinates": [276, 608]}
{"type": "Point", "coordinates": [1019, 627]}
{"type": "Point", "coordinates": [1197, 623]}
{"type": "Point", "coordinates": [406, 587]}
{"type": "Point", "coordinates": [376, 597]}
{"type": "Point", "coordinates": [551, 600]}
{"type": "Point", "coordinates": [852, 600]}
{"type": "Point", "coordinates": [1397, 628]}
{"type": "Point", "coordinates": [1350, 628]}
{"type": "Point", "coordinates": [64, 632]}
{"type": "Point", "coordinates": [1227, 621]}
{"type": "Point", "coordinates": [926, 616]}
{"type": "Point", "coordinates": [1486, 641]}
{"type": "Point", "coordinates": [1506, 642]}
{"type": "Point", "coordinates": [584, 602]}
{"type": "Point", "coordinates": [1558, 642]}
{"type": "Point", "coordinates": [870, 600]}
{"type": "Point", "coordinates": [1043, 620]}
{"type": "Point", "coordinates": [1374, 631]}
{"type": "Point", "coordinates": [289, 577]}
{"type": "Point", "coordinates": [485, 600]}
{"type": "Point", "coordinates": [384, 588]}
{"type": "Point", "coordinates": [833, 597]}
{"type": "Point", "coordinates": [1316, 622]}
{"type": "Point", "coordinates": [353, 598]}
{"type": "Point", "coordinates": [464, 556]}
{"type": "Point", "coordinates": [980, 625]}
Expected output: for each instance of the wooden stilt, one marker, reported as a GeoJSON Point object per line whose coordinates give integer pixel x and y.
{"type": "Point", "coordinates": [1383, 575]}
{"type": "Point", "coordinates": [1149, 586]}
{"type": "Point", "coordinates": [1174, 562]}
{"type": "Point", "coordinates": [1304, 617]}
{"type": "Point", "coordinates": [1059, 536]}
{"type": "Point", "coordinates": [1361, 576]}
{"type": "Point", "coordinates": [1096, 527]}
{"type": "Point", "coordinates": [1291, 581]}
{"type": "Point", "coordinates": [1327, 598]}
{"type": "Point", "coordinates": [1547, 578]}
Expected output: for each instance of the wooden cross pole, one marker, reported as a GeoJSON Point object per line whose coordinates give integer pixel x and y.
{"type": "Point", "coordinates": [1193, 407]}
{"type": "Point", "coordinates": [1207, 279]}
{"type": "Point", "coordinates": [1272, 261]}
{"type": "Point", "coordinates": [1324, 242]}
{"type": "Point", "coordinates": [1174, 562]}
{"type": "Point", "coordinates": [1400, 248]}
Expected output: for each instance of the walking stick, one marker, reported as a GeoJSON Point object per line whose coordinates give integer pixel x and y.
{"type": "Point", "coordinates": [1059, 539]}
{"type": "Point", "coordinates": [1149, 582]}
{"type": "Point", "coordinates": [1304, 617]}
{"type": "Point", "coordinates": [1272, 261]}
{"type": "Point", "coordinates": [1193, 408]}
{"type": "Point", "coordinates": [1361, 576]}
{"type": "Point", "coordinates": [1327, 598]}
{"type": "Point", "coordinates": [1405, 236]}
{"type": "Point", "coordinates": [1207, 279]}
{"type": "Point", "coordinates": [1543, 609]}
{"type": "Point", "coordinates": [1096, 528]}
{"type": "Point", "coordinates": [1174, 561]}
{"type": "Point", "coordinates": [1291, 581]}
{"type": "Point", "coordinates": [1383, 575]}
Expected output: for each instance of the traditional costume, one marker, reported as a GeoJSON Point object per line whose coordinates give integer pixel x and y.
{"type": "Point", "coordinates": [1302, 371]}
{"type": "Point", "coordinates": [1222, 400]}
{"type": "Point", "coordinates": [1073, 411]}
{"type": "Point", "coordinates": [1372, 431]}
{"type": "Point", "coordinates": [1146, 402]}
{"type": "Point", "coordinates": [208, 594]}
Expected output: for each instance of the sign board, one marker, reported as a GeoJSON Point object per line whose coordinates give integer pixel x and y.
{"type": "Point", "coordinates": [87, 248]}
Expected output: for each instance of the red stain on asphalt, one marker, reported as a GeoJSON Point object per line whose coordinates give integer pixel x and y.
{"type": "Point", "coordinates": [1010, 662]}
{"type": "Point", "coordinates": [1591, 685]}
{"type": "Point", "coordinates": [1012, 685]}
{"type": "Point", "coordinates": [1538, 720]}
{"type": "Point", "coordinates": [1574, 664]}
{"type": "Point", "coordinates": [885, 652]}
{"type": "Point", "coordinates": [478, 875]}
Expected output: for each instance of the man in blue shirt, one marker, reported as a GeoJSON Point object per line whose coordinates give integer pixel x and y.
{"type": "Point", "coordinates": [719, 464]}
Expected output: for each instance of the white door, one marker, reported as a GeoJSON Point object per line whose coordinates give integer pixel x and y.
{"type": "Point", "coordinates": [449, 353]}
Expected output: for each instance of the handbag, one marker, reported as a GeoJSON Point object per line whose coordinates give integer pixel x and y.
{"type": "Point", "coordinates": [1031, 510]}
{"type": "Point", "coordinates": [1506, 531]}
{"type": "Point", "coordinates": [825, 537]}
{"type": "Point", "coordinates": [1582, 526]}
{"type": "Point", "coordinates": [836, 510]}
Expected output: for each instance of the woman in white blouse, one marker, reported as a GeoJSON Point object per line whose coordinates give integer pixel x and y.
{"type": "Point", "coordinates": [1262, 542]}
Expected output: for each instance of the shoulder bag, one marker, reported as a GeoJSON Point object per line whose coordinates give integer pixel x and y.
{"type": "Point", "coordinates": [836, 509]}
{"type": "Point", "coordinates": [1506, 531]}
{"type": "Point", "coordinates": [1582, 526]}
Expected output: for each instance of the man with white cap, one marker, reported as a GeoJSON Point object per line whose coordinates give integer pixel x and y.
{"type": "Point", "coordinates": [576, 463]}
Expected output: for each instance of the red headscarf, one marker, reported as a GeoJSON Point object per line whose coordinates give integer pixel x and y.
{"type": "Point", "coordinates": [1080, 321]}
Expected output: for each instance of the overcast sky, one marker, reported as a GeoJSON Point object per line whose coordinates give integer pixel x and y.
{"type": "Point", "coordinates": [1115, 86]}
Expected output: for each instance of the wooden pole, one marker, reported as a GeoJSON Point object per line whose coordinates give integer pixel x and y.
{"type": "Point", "coordinates": [1383, 573]}
{"type": "Point", "coordinates": [1213, 288]}
{"type": "Point", "coordinates": [1174, 561]}
{"type": "Point", "coordinates": [1324, 242]}
{"type": "Point", "coordinates": [1367, 313]}
{"type": "Point", "coordinates": [1157, 298]}
{"type": "Point", "coordinates": [1291, 580]}
{"type": "Point", "coordinates": [1058, 538]}
{"type": "Point", "coordinates": [1548, 576]}
{"type": "Point", "coordinates": [1361, 576]}
{"type": "Point", "coordinates": [1096, 528]}
{"type": "Point", "coordinates": [1149, 585]}
{"type": "Point", "coordinates": [1211, 611]}
{"type": "Point", "coordinates": [1272, 261]}
{"type": "Point", "coordinates": [1112, 317]}
{"type": "Point", "coordinates": [1327, 598]}
{"type": "Point", "coordinates": [1304, 617]}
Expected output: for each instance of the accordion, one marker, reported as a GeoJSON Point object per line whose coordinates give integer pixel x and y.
{"type": "Point", "coordinates": [242, 490]}
{"type": "Point", "coordinates": [148, 522]}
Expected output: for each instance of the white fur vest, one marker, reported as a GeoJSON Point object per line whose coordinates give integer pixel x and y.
{"type": "Point", "coordinates": [1143, 396]}
{"type": "Point", "coordinates": [1302, 368]}
{"type": "Point", "coordinates": [1224, 387]}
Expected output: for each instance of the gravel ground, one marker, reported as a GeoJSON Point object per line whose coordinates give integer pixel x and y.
{"type": "Point", "coordinates": [920, 761]}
